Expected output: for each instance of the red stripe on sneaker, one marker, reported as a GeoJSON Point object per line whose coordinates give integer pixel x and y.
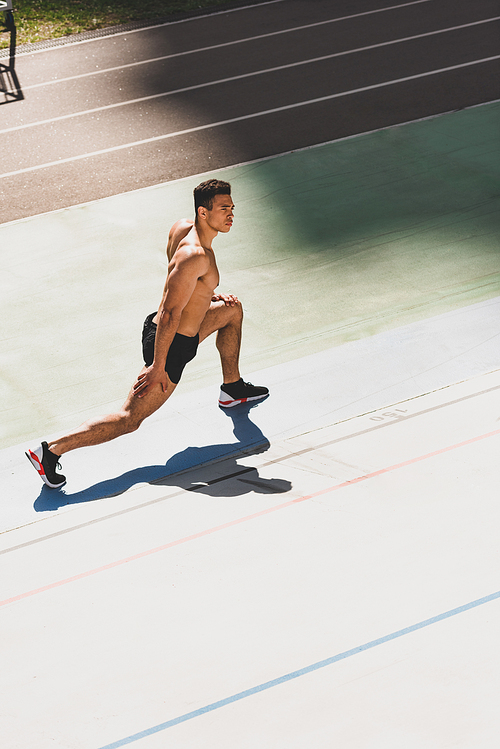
{"type": "Point", "coordinates": [37, 460]}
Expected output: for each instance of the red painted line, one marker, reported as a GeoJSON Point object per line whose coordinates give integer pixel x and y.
{"type": "Point", "coordinates": [232, 523]}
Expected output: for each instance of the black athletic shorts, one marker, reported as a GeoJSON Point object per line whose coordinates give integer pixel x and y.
{"type": "Point", "coordinates": [182, 349]}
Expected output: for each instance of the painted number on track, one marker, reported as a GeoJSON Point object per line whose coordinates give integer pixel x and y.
{"type": "Point", "coordinates": [386, 415]}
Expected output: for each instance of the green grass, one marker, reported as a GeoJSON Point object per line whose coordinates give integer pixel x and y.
{"type": "Point", "coordinates": [37, 20]}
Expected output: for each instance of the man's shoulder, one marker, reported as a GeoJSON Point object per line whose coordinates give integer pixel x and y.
{"type": "Point", "coordinates": [189, 251]}
{"type": "Point", "coordinates": [179, 238]}
{"type": "Point", "coordinates": [180, 226]}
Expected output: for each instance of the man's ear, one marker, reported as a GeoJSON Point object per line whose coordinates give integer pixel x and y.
{"type": "Point", "coordinates": [202, 212]}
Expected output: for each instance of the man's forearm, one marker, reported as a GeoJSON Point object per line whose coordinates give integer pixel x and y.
{"type": "Point", "coordinates": [167, 325]}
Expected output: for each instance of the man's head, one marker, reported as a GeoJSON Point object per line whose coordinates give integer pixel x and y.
{"type": "Point", "coordinates": [213, 204]}
{"type": "Point", "coordinates": [205, 193]}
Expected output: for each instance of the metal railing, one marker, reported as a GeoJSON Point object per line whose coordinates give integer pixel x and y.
{"type": "Point", "coordinates": [8, 78]}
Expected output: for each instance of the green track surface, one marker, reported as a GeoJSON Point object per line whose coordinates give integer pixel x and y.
{"type": "Point", "coordinates": [330, 244]}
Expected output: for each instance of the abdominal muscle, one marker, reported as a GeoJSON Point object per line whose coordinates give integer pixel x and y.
{"type": "Point", "coordinates": [195, 311]}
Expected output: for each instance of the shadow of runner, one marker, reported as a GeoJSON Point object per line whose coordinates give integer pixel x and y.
{"type": "Point", "coordinates": [247, 480]}
{"type": "Point", "coordinates": [250, 441]}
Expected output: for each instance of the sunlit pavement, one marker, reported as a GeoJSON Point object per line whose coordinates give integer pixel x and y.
{"type": "Point", "coordinates": [318, 570]}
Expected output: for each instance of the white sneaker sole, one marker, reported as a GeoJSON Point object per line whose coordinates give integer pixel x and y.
{"type": "Point", "coordinates": [238, 401]}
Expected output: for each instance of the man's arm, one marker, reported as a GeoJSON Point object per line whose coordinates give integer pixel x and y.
{"type": "Point", "coordinates": [181, 282]}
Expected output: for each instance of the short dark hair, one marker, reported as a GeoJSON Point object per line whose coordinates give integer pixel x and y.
{"type": "Point", "coordinates": [205, 193]}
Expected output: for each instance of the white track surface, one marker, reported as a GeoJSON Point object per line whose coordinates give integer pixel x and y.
{"type": "Point", "coordinates": [362, 549]}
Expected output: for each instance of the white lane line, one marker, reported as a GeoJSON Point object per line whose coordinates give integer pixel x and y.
{"type": "Point", "coordinates": [215, 46]}
{"type": "Point", "coordinates": [246, 117]}
{"type": "Point", "coordinates": [243, 75]}
{"type": "Point", "coordinates": [311, 668]}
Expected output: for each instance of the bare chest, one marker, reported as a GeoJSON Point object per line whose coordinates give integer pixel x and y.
{"type": "Point", "coordinates": [211, 278]}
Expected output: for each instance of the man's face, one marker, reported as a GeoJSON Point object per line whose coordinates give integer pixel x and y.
{"type": "Point", "coordinates": [221, 215]}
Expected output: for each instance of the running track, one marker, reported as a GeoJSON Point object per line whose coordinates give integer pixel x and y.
{"type": "Point", "coordinates": [108, 115]}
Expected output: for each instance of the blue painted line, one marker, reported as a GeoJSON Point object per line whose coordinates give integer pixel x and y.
{"type": "Point", "coordinates": [300, 672]}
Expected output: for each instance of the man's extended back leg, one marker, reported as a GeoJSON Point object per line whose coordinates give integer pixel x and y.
{"type": "Point", "coordinates": [96, 431]}
{"type": "Point", "coordinates": [105, 428]}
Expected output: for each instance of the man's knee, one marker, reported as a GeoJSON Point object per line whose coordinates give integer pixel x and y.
{"type": "Point", "coordinates": [230, 316]}
{"type": "Point", "coordinates": [238, 310]}
{"type": "Point", "coordinates": [130, 422]}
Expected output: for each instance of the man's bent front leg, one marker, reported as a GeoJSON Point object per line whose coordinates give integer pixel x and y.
{"type": "Point", "coordinates": [227, 321]}
{"type": "Point", "coordinates": [106, 428]}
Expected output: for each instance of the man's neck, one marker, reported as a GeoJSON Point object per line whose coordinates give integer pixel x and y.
{"type": "Point", "coordinates": [205, 235]}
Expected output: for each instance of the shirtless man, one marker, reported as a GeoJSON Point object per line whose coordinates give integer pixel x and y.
{"type": "Point", "coordinates": [189, 312]}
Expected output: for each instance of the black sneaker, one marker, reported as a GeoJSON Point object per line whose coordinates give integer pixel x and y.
{"type": "Point", "coordinates": [46, 463]}
{"type": "Point", "coordinates": [240, 392]}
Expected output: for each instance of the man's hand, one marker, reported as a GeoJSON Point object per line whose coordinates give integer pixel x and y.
{"type": "Point", "coordinates": [148, 379]}
{"type": "Point", "coordinates": [229, 299]}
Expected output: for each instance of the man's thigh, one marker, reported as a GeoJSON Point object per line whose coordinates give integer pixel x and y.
{"type": "Point", "coordinates": [140, 408]}
{"type": "Point", "coordinates": [218, 316]}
